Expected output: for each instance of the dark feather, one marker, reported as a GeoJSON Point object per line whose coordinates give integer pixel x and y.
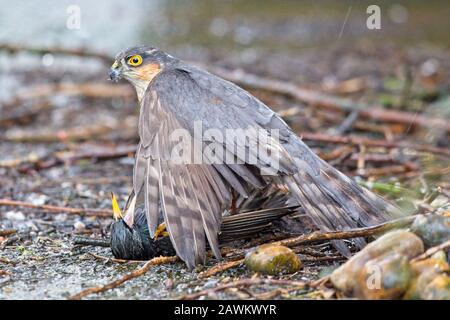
{"type": "Point", "coordinates": [192, 206]}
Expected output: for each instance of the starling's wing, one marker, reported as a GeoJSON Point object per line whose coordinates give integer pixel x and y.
{"type": "Point", "coordinates": [244, 225]}
{"type": "Point", "coordinates": [332, 200]}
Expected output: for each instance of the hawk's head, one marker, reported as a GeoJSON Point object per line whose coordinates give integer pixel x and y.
{"type": "Point", "coordinates": [139, 65]}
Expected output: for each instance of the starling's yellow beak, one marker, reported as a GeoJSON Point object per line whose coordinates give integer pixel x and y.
{"type": "Point", "coordinates": [117, 213]}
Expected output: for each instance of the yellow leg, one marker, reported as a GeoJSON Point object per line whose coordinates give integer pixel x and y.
{"type": "Point", "coordinates": [161, 231]}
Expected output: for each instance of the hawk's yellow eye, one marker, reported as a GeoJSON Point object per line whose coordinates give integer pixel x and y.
{"type": "Point", "coordinates": [135, 60]}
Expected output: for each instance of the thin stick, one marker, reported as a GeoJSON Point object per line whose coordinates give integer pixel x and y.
{"type": "Point", "coordinates": [270, 295]}
{"type": "Point", "coordinates": [243, 283]}
{"type": "Point", "coordinates": [318, 99]}
{"type": "Point", "coordinates": [72, 134]}
{"type": "Point", "coordinates": [357, 141]}
{"type": "Point", "coordinates": [51, 208]}
{"type": "Point", "coordinates": [337, 235]}
{"type": "Point", "coordinates": [389, 170]}
{"type": "Point", "coordinates": [97, 256]}
{"type": "Point", "coordinates": [348, 234]}
{"type": "Point", "coordinates": [7, 232]}
{"type": "Point", "coordinates": [220, 267]}
{"type": "Point", "coordinates": [6, 261]}
{"type": "Point", "coordinates": [87, 89]}
{"type": "Point", "coordinates": [17, 115]}
{"type": "Point", "coordinates": [56, 50]}
{"type": "Point", "coordinates": [100, 153]}
{"type": "Point", "coordinates": [431, 251]}
{"type": "Point", "coordinates": [329, 102]}
{"type": "Point", "coordinates": [134, 274]}
{"type": "Point", "coordinates": [236, 257]}
{"type": "Point", "coordinates": [322, 259]}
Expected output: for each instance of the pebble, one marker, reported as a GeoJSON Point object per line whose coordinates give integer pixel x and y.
{"type": "Point", "coordinates": [379, 257]}
{"type": "Point", "coordinates": [273, 260]}
{"type": "Point", "coordinates": [79, 226]}
{"type": "Point", "coordinates": [432, 229]}
{"type": "Point", "coordinates": [15, 215]}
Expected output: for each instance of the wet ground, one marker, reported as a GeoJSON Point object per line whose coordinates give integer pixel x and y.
{"type": "Point", "coordinates": [45, 161]}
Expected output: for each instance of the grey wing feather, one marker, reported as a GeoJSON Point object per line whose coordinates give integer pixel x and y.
{"type": "Point", "coordinates": [192, 197]}
{"type": "Point", "coordinates": [333, 200]}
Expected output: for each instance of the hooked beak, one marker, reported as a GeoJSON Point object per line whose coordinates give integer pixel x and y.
{"type": "Point", "coordinates": [115, 73]}
{"type": "Point", "coordinates": [117, 213]}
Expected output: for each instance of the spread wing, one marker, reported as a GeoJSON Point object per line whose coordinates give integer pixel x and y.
{"type": "Point", "coordinates": [193, 196]}
{"type": "Point", "coordinates": [331, 199]}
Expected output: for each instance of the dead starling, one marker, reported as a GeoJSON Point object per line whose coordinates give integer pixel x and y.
{"type": "Point", "coordinates": [134, 243]}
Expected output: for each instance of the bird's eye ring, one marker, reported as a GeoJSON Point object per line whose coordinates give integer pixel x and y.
{"type": "Point", "coordinates": [135, 60]}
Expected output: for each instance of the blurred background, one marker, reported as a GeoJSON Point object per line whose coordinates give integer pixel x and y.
{"type": "Point", "coordinates": [233, 25]}
{"type": "Point", "coordinates": [67, 135]}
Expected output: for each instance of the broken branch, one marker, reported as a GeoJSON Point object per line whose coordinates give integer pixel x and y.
{"type": "Point", "coordinates": [329, 102]}
{"type": "Point", "coordinates": [357, 141]}
{"type": "Point", "coordinates": [443, 246]}
{"type": "Point", "coordinates": [51, 208]}
{"type": "Point", "coordinates": [7, 232]}
{"type": "Point", "coordinates": [244, 283]}
{"type": "Point", "coordinates": [134, 274]}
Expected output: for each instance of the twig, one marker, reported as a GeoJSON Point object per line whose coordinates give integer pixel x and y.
{"type": "Point", "coordinates": [134, 274]}
{"type": "Point", "coordinates": [431, 251]}
{"type": "Point", "coordinates": [356, 141]}
{"type": "Point", "coordinates": [18, 115]}
{"type": "Point", "coordinates": [7, 232]}
{"type": "Point", "coordinates": [220, 267]}
{"type": "Point", "coordinates": [270, 295]}
{"type": "Point", "coordinates": [7, 261]}
{"type": "Point", "coordinates": [243, 283]}
{"type": "Point", "coordinates": [31, 158]}
{"type": "Point", "coordinates": [9, 241]}
{"type": "Point", "coordinates": [322, 259]}
{"type": "Point", "coordinates": [226, 265]}
{"type": "Point", "coordinates": [433, 195]}
{"type": "Point", "coordinates": [81, 52]}
{"type": "Point", "coordinates": [281, 87]}
{"type": "Point", "coordinates": [97, 256]}
{"type": "Point", "coordinates": [72, 134]}
{"type": "Point", "coordinates": [337, 154]}
{"type": "Point", "coordinates": [36, 162]}
{"type": "Point", "coordinates": [87, 89]}
{"type": "Point", "coordinates": [309, 251]}
{"type": "Point", "coordinates": [81, 180]}
{"type": "Point", "coordinates": [51, 208]}
{"type": "Point", "coordinates": [236, 257]}
{"type": "Point", "coordinates": [388, 170]}
{"type": "Point", "coordinates": [91, 242]}
{"type": "Point", "coordinates": [338, 235]}
{"type": "Point", "coordinates": [347, 124]}
{"type": "Point", "coordinates": [375, 157]}
{"type": "Point", "coordinates": [99, 153]}
{"type": "Point", "coordinates": [348, 234]}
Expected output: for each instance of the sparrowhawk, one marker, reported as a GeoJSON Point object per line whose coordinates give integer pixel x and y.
{"type": "Point", "coordinates": [192, 196]}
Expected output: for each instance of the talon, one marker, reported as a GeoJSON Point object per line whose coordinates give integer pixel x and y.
{"type": "Point", "coordinates": [161, 231]}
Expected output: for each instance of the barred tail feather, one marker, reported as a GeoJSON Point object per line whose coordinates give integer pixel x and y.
{"type": "Point", "coordinates": [335, 202]}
